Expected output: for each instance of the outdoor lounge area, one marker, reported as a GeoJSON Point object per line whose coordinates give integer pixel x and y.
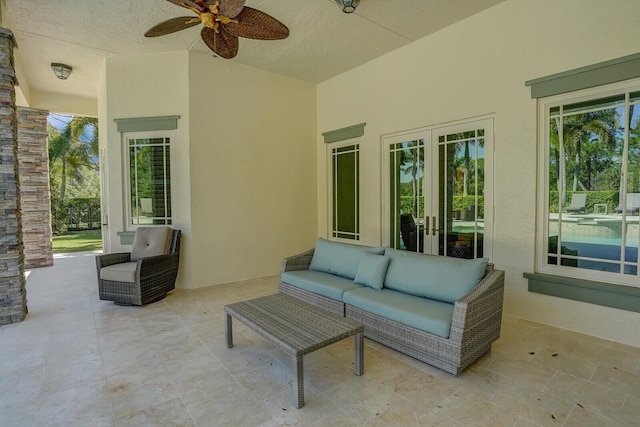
{"type": "Point", "coordinates": [482, 120]}
{"type": "Point", "coordinates": [77, 360]}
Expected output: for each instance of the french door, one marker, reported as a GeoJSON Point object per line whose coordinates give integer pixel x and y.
{"type": "Point", "coordinates": [439, 190]}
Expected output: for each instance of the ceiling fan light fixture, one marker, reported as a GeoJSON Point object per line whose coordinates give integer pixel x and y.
{"type": "Point", "coordinates": [61, 71]}
{"type": "Point", "coordinates": [348, 6]}
{"type": "Point", "coordinates": [232, 16]}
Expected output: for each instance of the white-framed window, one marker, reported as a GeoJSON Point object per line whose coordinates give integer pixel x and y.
{"type": "Point", "coordinates": [344, 194]}
{"type": "Point", "coordinates": [148, 177]}
{"type": "Point", "coordinates": [589, 184]}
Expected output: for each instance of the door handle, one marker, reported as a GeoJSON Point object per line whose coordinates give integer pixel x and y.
{"type": "Point", "coordinates": [435, 226]}
{"type": "Point", "coordinates": [426, 224]}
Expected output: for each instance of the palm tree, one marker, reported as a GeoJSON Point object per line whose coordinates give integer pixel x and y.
{"type": "Point", "coordinates": [67, 154]}
{"type": "Point", "coordinates": [85, 129]}
{"type": "Point", "coordinates": [413, 163]}
{"type": "Point", "coordinates": [554, 142]}
{"type": "Point", "coordinates": [588, 128]}
{"type": "Point", "coordinates": [469, 162]}
{"type": "Point", "coordinates": [587, 131]}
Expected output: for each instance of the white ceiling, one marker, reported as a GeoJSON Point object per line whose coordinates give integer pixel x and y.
{"type": "Point", "coordinates": [323, 41]}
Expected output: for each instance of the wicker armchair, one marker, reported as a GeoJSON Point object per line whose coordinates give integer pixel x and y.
{"type": "Point", "coordinates": [141, 276]}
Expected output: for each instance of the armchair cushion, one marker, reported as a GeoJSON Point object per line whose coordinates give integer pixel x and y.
{"type": "Point", "coordinates": [123, 272]}
{"type": "Point", "coordinates": [151, 241]}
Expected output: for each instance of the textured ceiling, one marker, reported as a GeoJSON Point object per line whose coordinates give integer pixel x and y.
{"type": "Point", "coordinates": [324, 42]}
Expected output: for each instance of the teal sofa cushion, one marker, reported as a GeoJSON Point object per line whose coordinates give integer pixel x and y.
{"type": "Point", "coordinates": [430, 276]}
{"type": "Point", "coordinates": [320, 283]}
{"type": "Point", "coordinates": [337, 258]}
{"type": "Point", "coordinates": [372, 270]}
{"type": "Point", "coordinates": [421, 313]}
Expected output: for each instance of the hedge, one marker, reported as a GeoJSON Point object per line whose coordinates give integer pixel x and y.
{"type": "Point", "coordinates": [460, 203]}
{"type": "Point", "coordinates": [75, 214]}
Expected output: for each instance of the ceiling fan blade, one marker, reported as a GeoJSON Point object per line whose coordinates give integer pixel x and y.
{"type": "Point", "coordinates": [171, 26]}
{"type": "Point", "coordinates": [228, 8]}
{"type": "Point", "coordinates": [224, 44]}
{"type": "Point", "coordinates": [254, 24]}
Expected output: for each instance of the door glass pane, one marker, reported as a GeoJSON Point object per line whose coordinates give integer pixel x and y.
{"type": "Point", "coordinates": [479, 190]}
{"type": "Point", "coordinates": [407, 198]}
{"type": "Point", "coordinates": [461, 194]}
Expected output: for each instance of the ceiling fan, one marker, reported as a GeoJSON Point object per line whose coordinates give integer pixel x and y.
{"type": "Point", "coordinates": [224, 21]}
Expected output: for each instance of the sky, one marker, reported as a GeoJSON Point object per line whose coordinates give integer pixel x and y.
{"type": "Point", "coordinates": [59, 121]}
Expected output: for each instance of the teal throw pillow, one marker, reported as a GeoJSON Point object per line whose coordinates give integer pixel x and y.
{"type": "Point", "coordinates": [340, 259]}
{"type": "Point", "coordinates": [372, 270]}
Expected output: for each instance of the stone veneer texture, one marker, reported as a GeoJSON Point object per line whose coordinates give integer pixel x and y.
{"type": "Point", "coordinates": [13, 294]}
{"type": "Point", "coordinates": [35, 197]}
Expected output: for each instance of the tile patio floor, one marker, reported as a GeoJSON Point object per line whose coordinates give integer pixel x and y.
{"type": "Point", "coordinates": [78, 361]}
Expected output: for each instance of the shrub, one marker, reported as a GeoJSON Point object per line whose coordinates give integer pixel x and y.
{"type": "Point", "coordinates": [75, 214]}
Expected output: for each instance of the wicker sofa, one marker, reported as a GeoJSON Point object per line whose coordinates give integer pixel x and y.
{"type": "Point", "coordinates": [398, 303]}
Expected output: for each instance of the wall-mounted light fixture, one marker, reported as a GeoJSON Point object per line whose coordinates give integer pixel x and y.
{"type": "Point", "coordinates": [348, 6]}
{"type": "Point", "coordinates": [61, 71]}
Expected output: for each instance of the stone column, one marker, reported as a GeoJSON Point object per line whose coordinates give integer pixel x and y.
{"type": "Point", "coordinates": [35, 196]}
{"type": "Point", "coordinates": [13, 294]}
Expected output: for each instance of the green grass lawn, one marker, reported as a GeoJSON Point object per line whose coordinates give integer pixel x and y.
{"type": "Point", "coordinates": [78, 241]}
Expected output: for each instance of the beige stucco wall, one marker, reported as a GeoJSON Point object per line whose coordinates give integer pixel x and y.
{"type": "Point", "coordinates": [66, 104]}
{"type": "Point", "coordinates": [243, 160]}
{"type": "Point", "coordinates": [478, 67]}
{"type": "Point", "coordinates": [147, 86]}
{"type": "Point", "coordinates": [252, 162]}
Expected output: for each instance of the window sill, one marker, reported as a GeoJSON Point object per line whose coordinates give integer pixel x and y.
{"type": "Point", "coordinates": [600, 293]}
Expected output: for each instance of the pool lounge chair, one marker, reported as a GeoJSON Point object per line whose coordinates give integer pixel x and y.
{"type": "Point", "coordinates": [578, 203]}
{"type": "Point", "coordinates": [633, 203]}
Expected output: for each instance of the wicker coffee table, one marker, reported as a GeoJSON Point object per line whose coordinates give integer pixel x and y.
{"type": "Point", "coordinates": [297, 328]}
